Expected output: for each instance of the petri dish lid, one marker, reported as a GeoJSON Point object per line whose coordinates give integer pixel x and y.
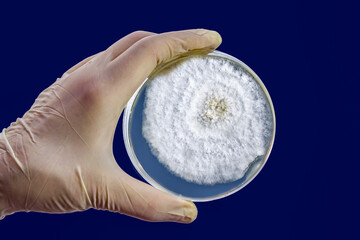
{"type": "Point", "coordinates": [154, 172]}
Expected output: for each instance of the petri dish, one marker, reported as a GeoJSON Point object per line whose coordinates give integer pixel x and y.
{"type": "Point", "coordinates": [157, 174]}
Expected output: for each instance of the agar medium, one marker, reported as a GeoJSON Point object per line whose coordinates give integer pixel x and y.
{"type": "Point", "coordinates": [200, 127]}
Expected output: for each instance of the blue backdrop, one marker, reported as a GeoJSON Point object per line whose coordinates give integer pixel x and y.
{"type": "Point", "coordinates": [306, 53]}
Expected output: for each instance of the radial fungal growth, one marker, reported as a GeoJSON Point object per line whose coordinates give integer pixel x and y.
{"type": "Point", "coordinates": [206, 119]}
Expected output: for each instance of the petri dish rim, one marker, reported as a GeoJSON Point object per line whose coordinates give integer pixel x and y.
{"type": "Point", "coordinates": [131, 104]}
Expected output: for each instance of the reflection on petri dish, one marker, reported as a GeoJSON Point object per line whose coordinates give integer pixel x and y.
{"type": "Point", "coordinates": [155, 172]}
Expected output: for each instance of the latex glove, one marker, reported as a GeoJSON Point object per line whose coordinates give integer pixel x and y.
{"type": "Point", "coordinates": [58, 157]}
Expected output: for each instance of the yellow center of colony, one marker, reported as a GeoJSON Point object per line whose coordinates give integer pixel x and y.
{"type": "Point", "coordinates": [214, 110]}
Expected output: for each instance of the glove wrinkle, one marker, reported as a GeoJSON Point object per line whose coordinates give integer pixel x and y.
{"type": "Point", "coordinates": [82, 184]}
{"type": "Point", "coordinates": [67, 119]}
{"type": "Point", "coordinates": [73, 97]}
{"type": "Point", "coordinates": [25, 156]}
{"type": "Point", "coordinates": [26, 208]}
{"type": "Point", "coordinates": [41, 111]}
{"type": "Point", "coordinates": [149, 207]}
{"type": "Point", "coordinates": [128, 198]}
{"type": "Point", "coordinates": [12, 154]}
{"type": "Point", "coordinates": [141, 196]}
{"type": "Point", "coordinates": [49, 173]}
{"type": "Point", "coordinates": [39, 193]}
{"type": "Point", "coordinates": [108, 202]}
{"type": "Point", "coordinates": [27, 129]}
{"type": "Point", "coordinates": [5, 161]}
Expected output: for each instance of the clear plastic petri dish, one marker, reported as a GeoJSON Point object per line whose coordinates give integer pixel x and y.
{"type": "Point", "coordinates": [154, 172]}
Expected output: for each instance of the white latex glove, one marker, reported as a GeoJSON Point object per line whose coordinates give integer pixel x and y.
{"type": "Point", "coordinates": [58, 157]}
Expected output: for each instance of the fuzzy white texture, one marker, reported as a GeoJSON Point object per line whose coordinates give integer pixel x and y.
{"type": "Point", "coordinates": [206, 119]}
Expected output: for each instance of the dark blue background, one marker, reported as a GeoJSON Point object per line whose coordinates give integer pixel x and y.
{"type": "Point", "coordinates": [307, 54]}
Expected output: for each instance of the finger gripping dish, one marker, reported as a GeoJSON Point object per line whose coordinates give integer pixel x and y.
{"type": "Point", "coordinates": [206, 119]}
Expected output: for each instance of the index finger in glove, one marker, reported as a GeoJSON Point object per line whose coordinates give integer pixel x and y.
{"type": "Point", "coordinates": [131, 68]}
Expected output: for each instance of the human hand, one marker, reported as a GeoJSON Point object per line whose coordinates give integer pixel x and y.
{"type": "Point", "coordinates": [58, 157]}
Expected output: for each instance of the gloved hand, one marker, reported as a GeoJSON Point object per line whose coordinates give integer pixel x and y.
{"type": "Point", "coordinates": [58, 157]}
